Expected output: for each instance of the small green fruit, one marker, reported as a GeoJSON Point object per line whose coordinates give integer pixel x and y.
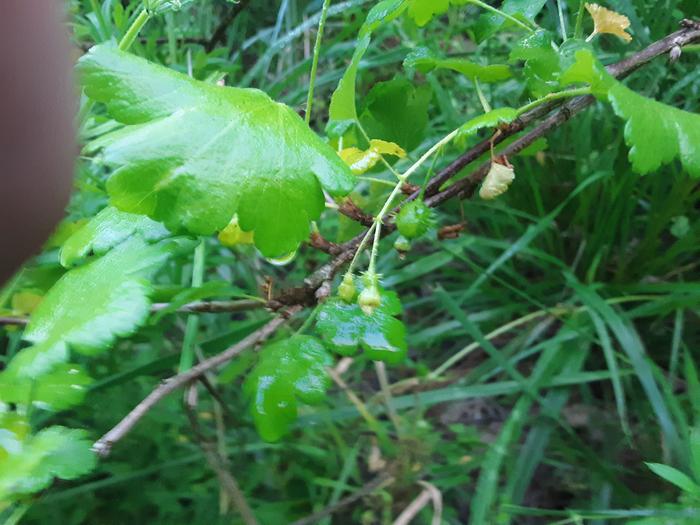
{"type": "Point", "coordinates": [370, 298]}
{"type": "Point", "coordinates": [402, 244]}
{"type": "Point", "coordinates": [347, 290]}
{"type": "Point", "coordinates": [414, 219]}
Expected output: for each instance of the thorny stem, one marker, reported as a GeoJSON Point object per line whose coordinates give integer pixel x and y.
{"type": "Point", "coordinates": [379, 219]}
{"type": "Point", "coordinates": [314, 63]}
{"type": "Point", "coordinates": [557, 95]}
{"type": "Point", "coordinates": [360, 248]}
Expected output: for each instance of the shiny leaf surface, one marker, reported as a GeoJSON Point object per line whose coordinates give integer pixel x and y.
{"type": "Point", "coordinates": [90, 306]}
{"type": "Point", "coordinates": [64, 386]}
{"type": "Point", "coordinates": [289, 371]}
{"type": "Point", "coordinates": [195, 154]}
{"type": "Point", "coordinates": [106, 230]}
{"type": "Point", "coordinates": [55, 452]}
{"type": "Point", "coordinates": [381, 335]}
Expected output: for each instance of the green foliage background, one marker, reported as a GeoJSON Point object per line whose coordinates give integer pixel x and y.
{"type": "Point", "coordinates": [572, 300]}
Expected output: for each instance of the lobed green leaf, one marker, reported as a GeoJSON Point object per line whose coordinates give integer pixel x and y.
{"type": "Point", "coordinates": [381, 335]}
{"type": "Point", "coordinates": [197, 154]}
{"type": "Point", "coordinates": [54, 452]}
{"type": "Point", "coordinates": [92, 305]}
{"type": "Point", "coordinates": [655, 132]}
{"type": "Point", "coordinates": [289, 371]}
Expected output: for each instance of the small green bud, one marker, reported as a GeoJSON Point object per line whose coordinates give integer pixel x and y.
{"type": "Point", "coordinates": [370, 298]}
{"type": "Point", "coordinates": [402, 244]}
{"type": "Point", "coordinates": [347, 290]}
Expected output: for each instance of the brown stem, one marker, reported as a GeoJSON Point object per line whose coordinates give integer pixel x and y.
{"type": "Point", "coordinates": [218, 463]}
{"type": "Point", "coordinates": [213, 307]}
{"type": "Point", "coordinates": [209, 307]}
{"type": "Point", "coordinates": [220, 32]}
{"type": "Point", "coordinates": [465, 187]}
{"type": "Point", "coordinates": [103, 446]}
{"type": "Point", "coordinates": [14, 321]}
{"type": "Point", "coordinates": [377, 483]}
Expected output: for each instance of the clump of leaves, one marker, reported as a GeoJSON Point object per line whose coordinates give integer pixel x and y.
{"type": "Point", "coordinates": [347, 328]}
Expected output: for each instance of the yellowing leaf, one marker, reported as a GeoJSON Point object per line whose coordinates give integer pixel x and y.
{"type": "Point", "coordinates": [497, 181]}
{"type": "Point", "coordinates": [607, 21]}
{"type": "Point", "coordinates": [24, 303]}
{"type": "Point", "coordinates": [232, 234]}
{"type": "Point", "coordinates": [361, 161]}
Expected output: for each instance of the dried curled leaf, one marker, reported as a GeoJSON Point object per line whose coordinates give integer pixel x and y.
{"type": "Point", "coordinates": [607, 21]}
{"type": "Point", "coordinates": [361, 161]}
{"type": "Point", "coordinates": [497, 181]}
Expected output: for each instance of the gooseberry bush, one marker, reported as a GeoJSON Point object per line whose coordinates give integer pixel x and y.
{"type": "Point", "coordinates": [194, 166]}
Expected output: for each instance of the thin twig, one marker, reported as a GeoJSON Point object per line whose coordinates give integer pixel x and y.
{"type": "Point", "coordinates": [429, 493]}
{"type": "Point", "coordinates": [688, 34]}
{"type": "Point", "coordinates": [220, 32]}
{"type": "Point", "coordinates": [377, 483]}
{"type": "Point", "coordinates": [217, 462]}
{"type": "Point", "coordinates": [103, 446]}
{"type": "Point", "coordinates": [213, 307]}
{"type": "Point", "coordinates": [14, 321]}
{"type": "Point", "coordinates": [207, 307]}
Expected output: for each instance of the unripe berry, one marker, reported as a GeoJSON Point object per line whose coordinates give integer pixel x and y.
{"type": "Point", "coordinates": [402, 244]}
{"type": "Point", "coordinates": [347, 290]}
{"type": "Point", "coordinates": [414, 219]}
{"type": "Point", "coordinates": [370, 298]}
